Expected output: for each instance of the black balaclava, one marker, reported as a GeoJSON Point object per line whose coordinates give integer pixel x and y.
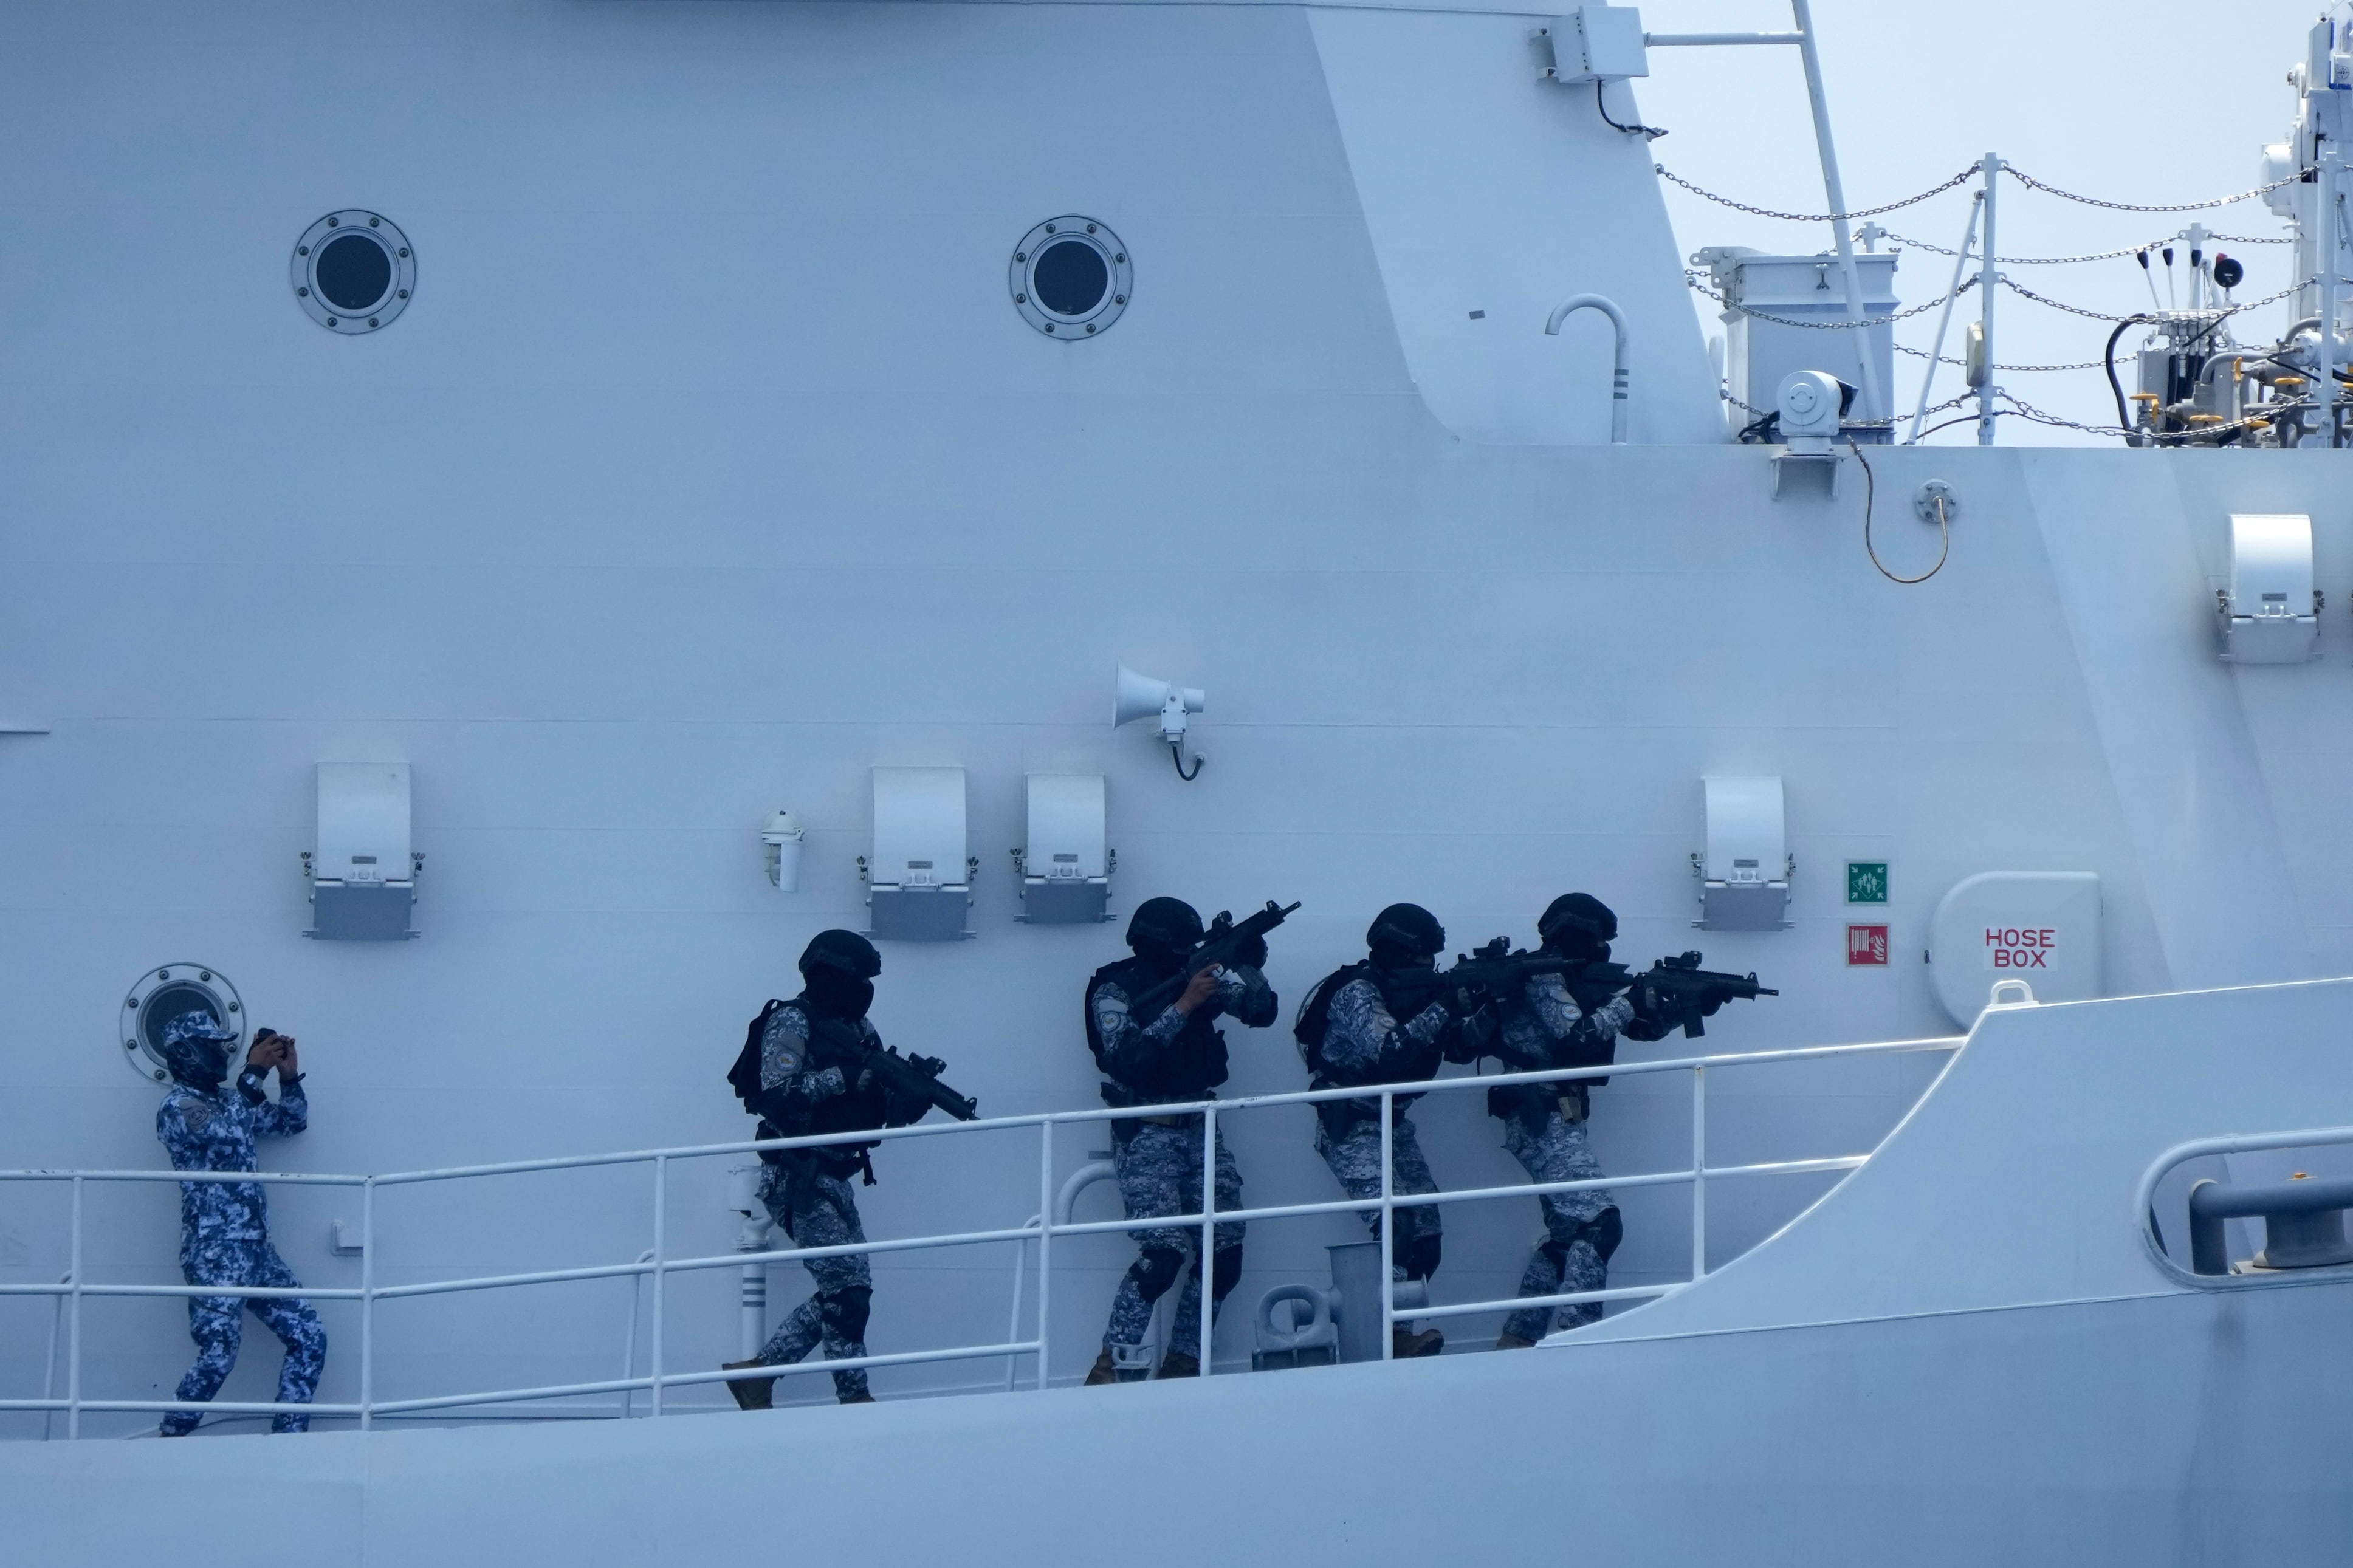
{"type": "Point", "coordinates": [838, 968]}
{"type": "Point", "coordinates": [1405, 936]}
{"type": "Point", "coordinates": [1578, 925]}
{"type": "Point", "coordinates": [195, 1047]}
{"type": "Point", "coordinates": [1163, 931]}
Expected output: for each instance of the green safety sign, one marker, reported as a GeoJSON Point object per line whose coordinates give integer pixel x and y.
{"type": "Point", "coordinates": [1866, 881]}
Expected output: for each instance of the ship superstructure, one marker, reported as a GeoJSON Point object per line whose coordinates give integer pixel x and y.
{"type": "Point", "coordinates": [515, 524]}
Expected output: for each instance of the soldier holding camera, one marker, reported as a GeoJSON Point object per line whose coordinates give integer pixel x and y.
{"type": "Point", "coordinates": [225, 1226]}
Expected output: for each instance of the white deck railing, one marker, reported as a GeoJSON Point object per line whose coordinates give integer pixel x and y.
{"type": "Point", "coordinates": [658, 1265]}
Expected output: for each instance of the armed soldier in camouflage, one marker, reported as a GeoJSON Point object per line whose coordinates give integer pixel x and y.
{"type": "Point", "coordinates": [225, 1226]}
{"type": "Point", "coordinates": [1385, 1020]}
{"type": "Point", "coordinates": [1558, 1021]}
{"type": "Point", "coordinates": [1176, 1055]}
{"type": "Point", "coordinates": [800, 1072]}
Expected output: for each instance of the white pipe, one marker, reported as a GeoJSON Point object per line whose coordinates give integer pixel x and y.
{"type": "Point", "coordinates": [1697, 40]}
{"type": "Point", "coordinates": [629, 1345]}
{"type": "Point", "coordinates": [2330, 180]}
{"type": "Point", "coordinates": [1875, 404]}
{"type": "Point", "coordinates": [1929, 382]}
{"type": "Point", "coordinates": [1080, 1180]}
{"type": "Point", "coordinates": [1988, 286]}
{"type": "Point", "coordinates": [49, 1373]}
{"type": "Point", "coordinates": [1617, 363]}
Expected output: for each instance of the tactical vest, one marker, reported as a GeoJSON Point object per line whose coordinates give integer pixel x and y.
{"type": "Point", "coordinates": [1189, 1066]}
{"type": "Point", "coordinates": [831, 1044]}
{"type": "Point", "coordinates": [1315, 1022]}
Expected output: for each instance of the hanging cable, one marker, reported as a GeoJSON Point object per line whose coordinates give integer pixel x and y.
{"type": "Point", "coordinates": [1870, 498]}
{"type": "Point", "coordinates": [1176, 752]}
{"type": "Point", "coordinates": [2124, 418]}
{"type": "Point", "coordinates": [1637, 128]}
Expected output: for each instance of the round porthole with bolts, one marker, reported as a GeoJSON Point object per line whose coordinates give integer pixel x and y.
{"type": "Point", "coordinates": [162, 995]}
{"type": "Point", "coordinates": [353, 271]}
{"type": "Point", "coordinates": [1071, 277]}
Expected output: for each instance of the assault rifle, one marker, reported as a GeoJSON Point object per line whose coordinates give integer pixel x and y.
{"type": "Point", "coordinates": [1497, 970]}
{"type": "Point", "coordinates": [916, 1079]}
{"type": "Point", "coordinates": [1677, 991]}
{"type": "Point", "coordinates": [1225, 941]}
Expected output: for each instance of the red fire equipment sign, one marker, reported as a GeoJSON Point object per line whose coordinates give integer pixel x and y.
{"type": "Point", "coordinates": [1866, 947]}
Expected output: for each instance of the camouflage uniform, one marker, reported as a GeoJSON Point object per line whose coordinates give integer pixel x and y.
{"type": "Point", "coordinates": [809, 1199]}
{"type": "Point", "coordinates": [1159, 1160]}
{"type": "Point", "coordinates": [1363, 1043]}
{"type": "Point", "coordinates": [1543, 1027]}
{"type": "Point", "coordinates": [225, 1240]}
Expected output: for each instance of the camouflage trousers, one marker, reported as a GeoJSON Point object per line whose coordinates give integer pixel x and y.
{"type": "Point", "coordinates": [1355, 1160]}
{"type": "Point", "coordinates": [1159, 1174]}
{"type": "Point", "coordinates": [1579, 1231]}
{"type": "Point", "coordinates": [217, 1325]}
{"type": "Point", "coordinates": [818, 1210]}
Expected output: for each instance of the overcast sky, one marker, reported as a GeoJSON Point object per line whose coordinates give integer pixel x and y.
{"type": "Point", "coordinates": [2154, 101]}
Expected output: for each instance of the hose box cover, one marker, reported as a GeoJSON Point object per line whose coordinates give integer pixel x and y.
{"type": "Point", "coordinates": [2041, 927]}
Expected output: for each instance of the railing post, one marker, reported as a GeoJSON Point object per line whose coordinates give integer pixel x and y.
{"type": "Point", "coordinates": [1204, 1271]}
{"type": "Point", "coordinates": [1988, 282]}
{"type": "Point", "coordinates": [662, 1278]}
{"type": "Point", "coordinates": [73, 1334]}
{"type": "Point", "coordinates": [1389, 1227]}
{"type": "Point", "coordinates": [1699, 1173]}
{"type": "Point", "coordinates": [1045, 1240]}
{"type": "Point", "coordinates": [367, 1303]}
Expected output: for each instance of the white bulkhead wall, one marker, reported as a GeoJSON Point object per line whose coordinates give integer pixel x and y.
{"type": "Point", "coordinates": [1491, 196]}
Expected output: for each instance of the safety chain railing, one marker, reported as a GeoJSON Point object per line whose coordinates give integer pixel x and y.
{"type": "Point", "coordinates": [1963, 178]}
{"type": "Point", "coordinates": [2093, 256]}
{"type": "Point", "coordinates": [659, 1266]}
{"type": "Point", "coordinates": [2031, 184]}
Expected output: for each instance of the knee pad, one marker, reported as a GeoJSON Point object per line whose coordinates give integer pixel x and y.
{"type": "Point", "coordinates": [1421, 1257]}
{"type": "Point", "coordinates": [1225, 1272]}
{"type": "Point", "coordinates": [1603, 1233]}
{"type": "Point", "coordinates": [1155, 1269]}
{"type": "Point", "coordinates": [845, 1311]}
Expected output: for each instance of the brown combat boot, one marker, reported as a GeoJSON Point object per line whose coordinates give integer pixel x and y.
{"type": "Point", "coordinates": [856, 1399]}
{"type": "Point", "coordinates": [751, 1392]}
{"type": "Point", "coordinates": [1514, 1342]}
{"type": "Point", "coordinates": [1101, 1372]}
{"type": "Point", "coordinates": [1405, 1344]}
{"type": "Point", "coordinates": [1177, 1364]}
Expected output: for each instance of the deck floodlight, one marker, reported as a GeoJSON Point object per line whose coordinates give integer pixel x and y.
{"type": "Point", "coordinates": [1141, 697]}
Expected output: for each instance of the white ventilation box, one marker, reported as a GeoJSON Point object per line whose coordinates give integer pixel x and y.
{"type": "Point", "coordinates": [2270, 613]}
{"type": "Point", "coordinates": [2041, 927]}
{"type": "Point", "coordinates": [919, 878]}
{"type": "Point", "coordinates": [364, 880]}
{"type": "Point", "coordinates": [1745, 875]}
{"type": "Point", "coordinates": [1066, 861]}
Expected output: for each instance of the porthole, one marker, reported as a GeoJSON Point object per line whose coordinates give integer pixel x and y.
{"type": "Point", "coordinates": [353, 271]}
{"type": "Point", "coordinates": [161, 995]}
{"type": "Point", "coordinates": [1071, 277]}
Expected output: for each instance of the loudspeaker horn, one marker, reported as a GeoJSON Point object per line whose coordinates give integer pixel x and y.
{"type": "Point", "coordinates": [1137, 696]}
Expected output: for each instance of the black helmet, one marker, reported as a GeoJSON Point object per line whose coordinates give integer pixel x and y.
{"type": "Point", "coordinates": [843, 950]}
{"type": "Point", "coordinates": [1573, 915]}
{"type": "Point", "coordinates": [1407, 927]}
{"type": "Point", "coordinates": [1163, 925]}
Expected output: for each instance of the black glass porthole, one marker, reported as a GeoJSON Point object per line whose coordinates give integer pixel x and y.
{"type": "Point", "coordinates": [353, 271]}
{"type": "Point", "coordinates": [1071, 277]}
